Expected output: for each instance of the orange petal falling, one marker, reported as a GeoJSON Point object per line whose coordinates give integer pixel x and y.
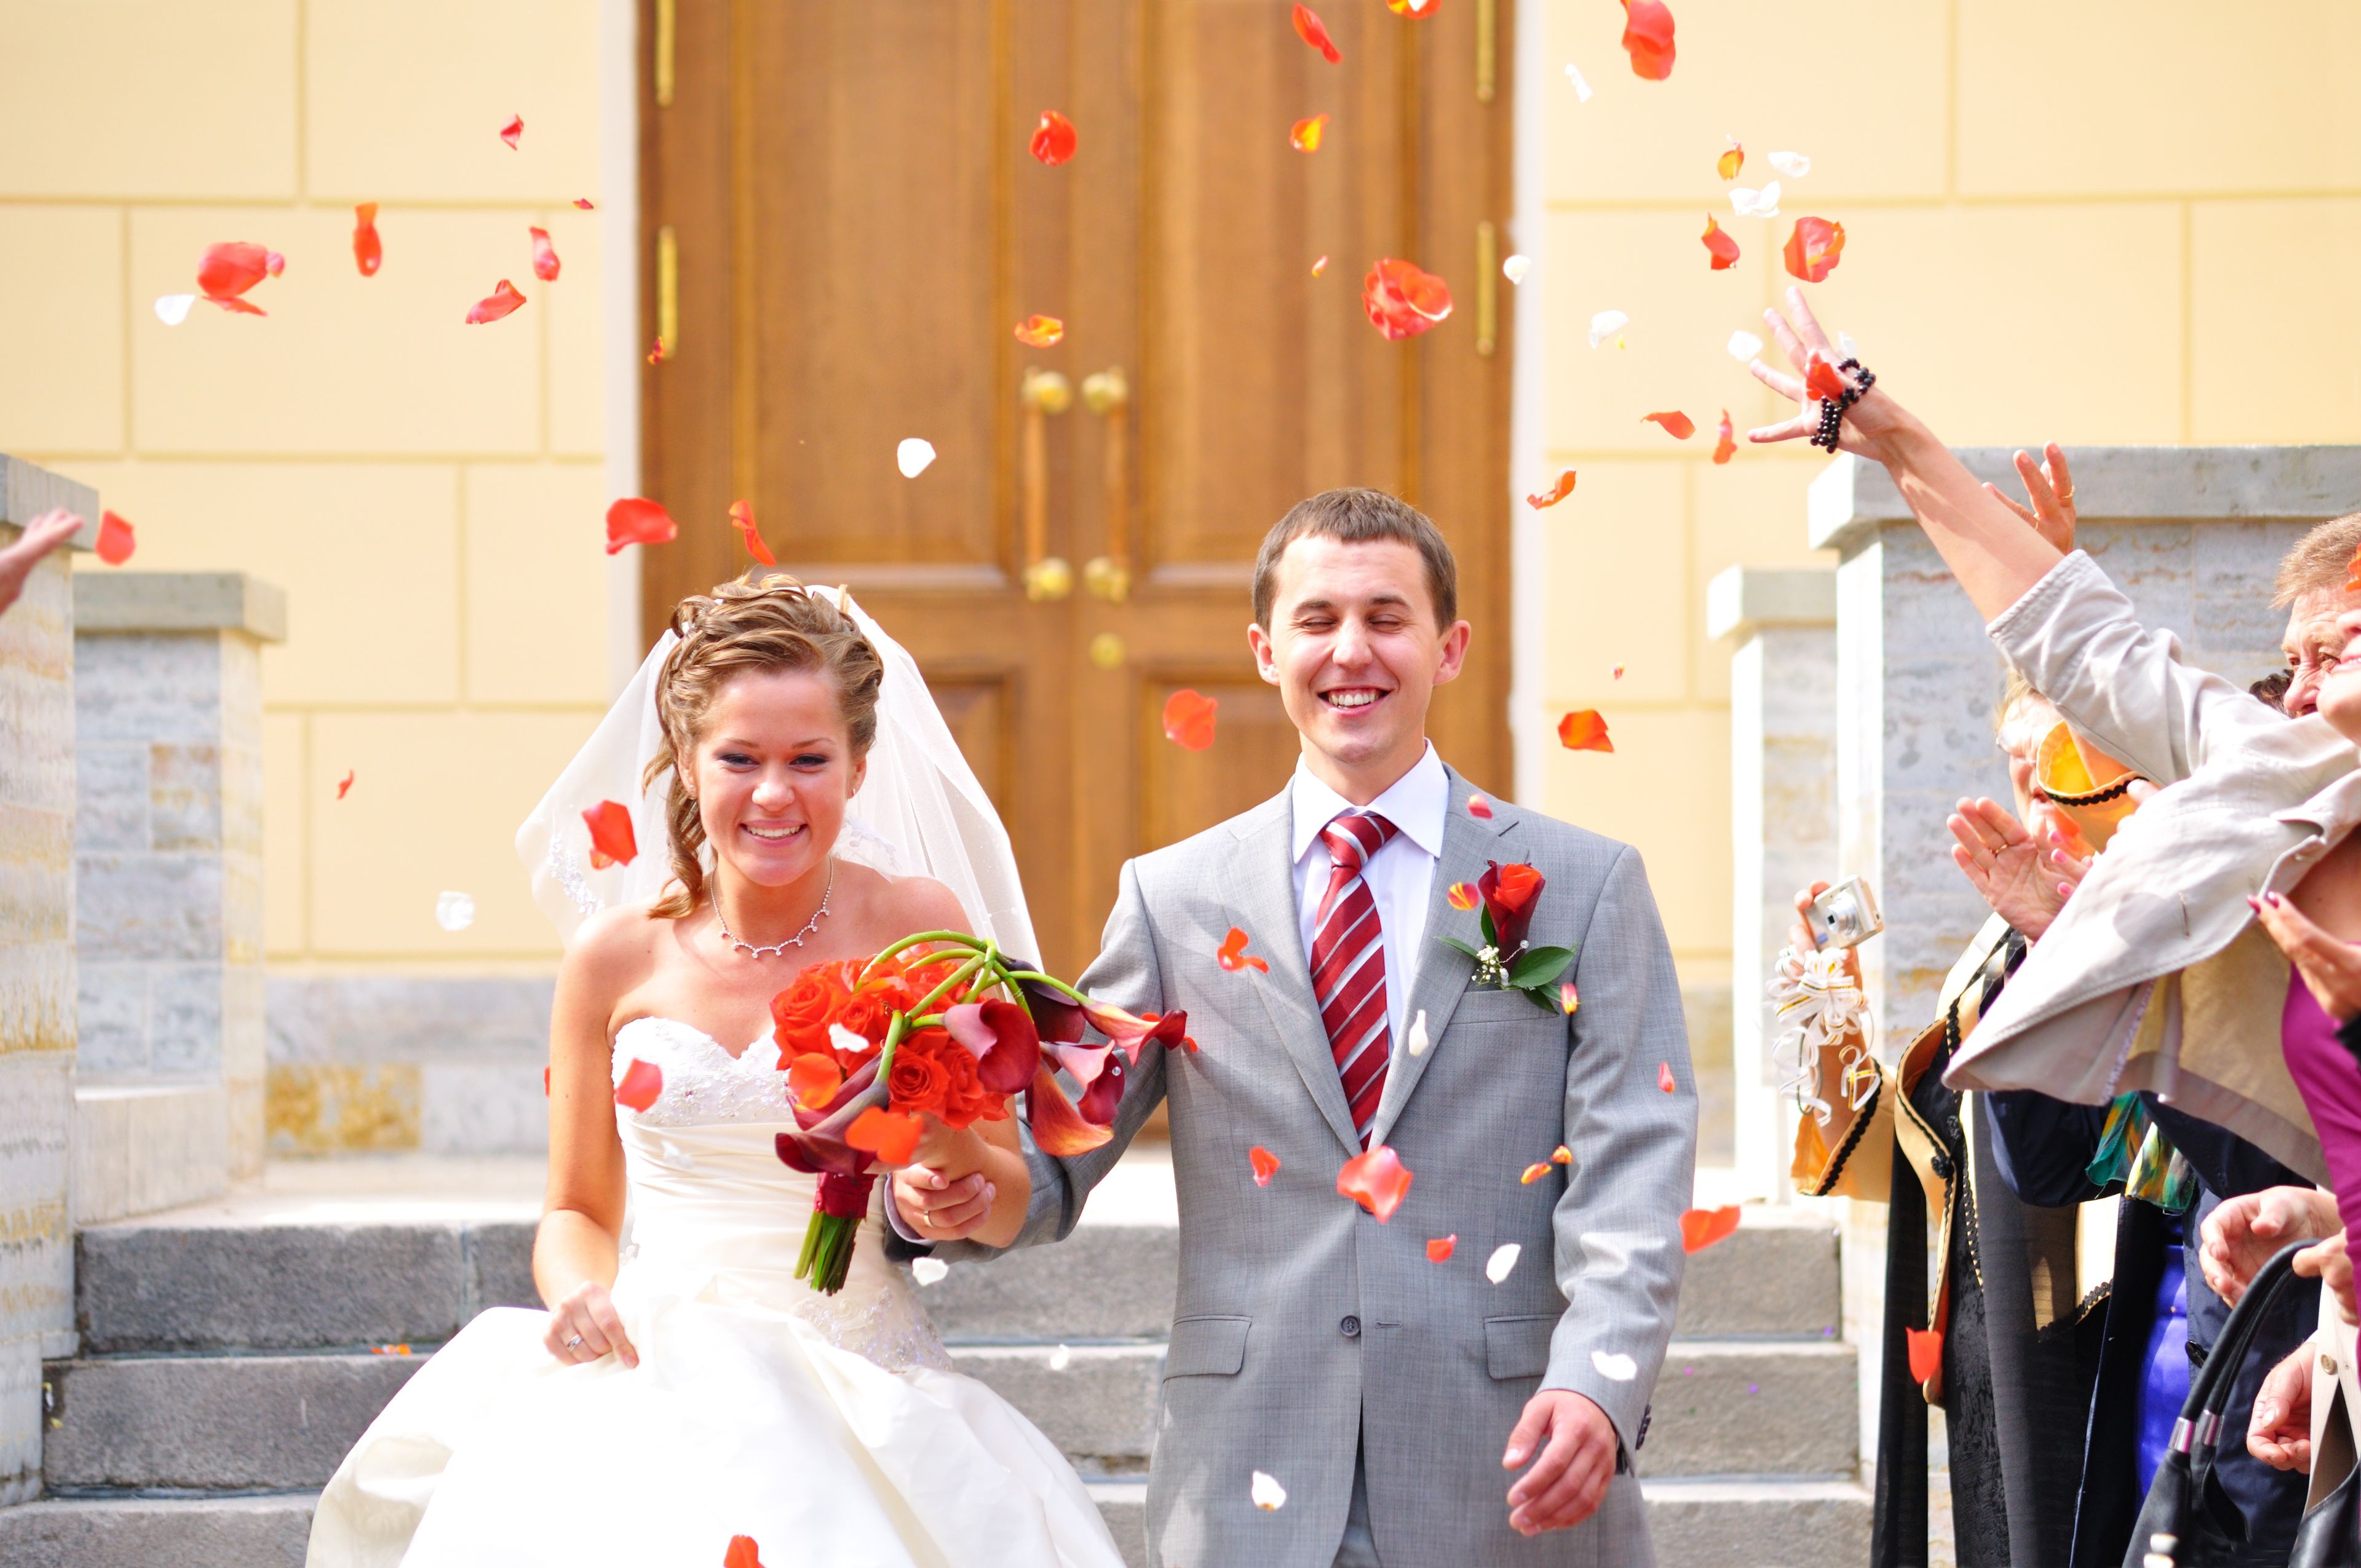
{"type": "Point", "coordinates": [1304, 135]}
{"type": "Point", "coordinates": [1730, 162]}
{"type": "Point", "coordinates": [1677, 425]}
{"type": "Point", "coordinates": [1568, 998]}
{"type": "Point", "coordinates": [368, 251]}
{"type": "Point", "coordinates": [1319, 267]}
{"type": "Point", "coordinates": [813, 1079]}
{"type": "Point", "coordinates": [1462, 895]}
{"type": "Point", "coordinates": [1554, 494]}
{"type": "Point", "coordinates": [345, 783]}
{"type": "Point", "coordinates": [1534, 1172]}
{"type": "Point", "coordinates": [741, 518]}
{"type": "Point", "coordinates": [890, 1135]}
{"type": "Point", "coordinates": [1314, 31]}
{"type": "Point", "coordinates": [1648, 39]}
{"type": "Point", "coordinates": [1377, 1180]}
{"type": "Point", "coordinates": [742, 1553]}
{"type": "Point", "coordinates": [503, 301]}
{"type": "Point", "coordinates": [1053, 139]}
{"type": "Point", "coordinates": [513, 131]}
{"type": "Point", "coordinates": [1664, 1077]}
{"type": "Point", "coordinates": [635, 520]}
{"type": "Point", "coordinates": [1233, 954]}
{"type": "Point", "coordinates": [1560, 1156]}
{"type": "Point", "coordinates": [114, 538]}
{"type": "Point", "coordinates": [1724, 448]}
{"type": "Point", "coordinates": [586, 204]}
{"type": "Point", "coordinates": [1265, 1164]}
{"type": "Point", "coordinates": [1403, 300]}
{"type": "Point", "coordinates": [1440, 1248]}
{"type": "Point", "coordinates": [544, 256]}
{"type": "Point", "coordinates": [640, 1083]}
{"type": "Point", "coordinates": [1812, 248]}
{"type": "Point", "coordinates": [1823, 381]}
{"type": "Point", "coordinates": [1040, 332]}
{"type": "Point", "coordinates": [1925, 1352]}
{"type": "Point", "coordinates": [611, 840]}
{"type": "Point", "coordinates": [1479, 808]}
{"type": "Point", "coordinates": [1189, 720]}
{"type": "Point", "coordinates": [1413, 8]}
{"type": "Point", "coordinates": [1720, 248]}
{"type": "Point", "coordinates": [1584, 730]}
{"type": "Point", "coordinates": [1700, 1228]}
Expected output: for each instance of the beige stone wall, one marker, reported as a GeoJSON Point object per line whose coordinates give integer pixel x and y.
{"type": "Point", "coordinates": [2126, 221]}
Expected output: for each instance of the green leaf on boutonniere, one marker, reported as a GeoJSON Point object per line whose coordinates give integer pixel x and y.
{"type": "Point", "coordinates": [1539, 967]}
{"type": "Point", "coordinates": [1484, 919]}
{"type": "Point", "coordinates": [1461, 947]}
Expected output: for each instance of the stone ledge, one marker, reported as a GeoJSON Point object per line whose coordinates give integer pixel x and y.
{"type": "Point", "coordinates": [121, 602]}
{"type": "Point", "coordinates": [142, 1147]}
{"type": "Point", "coordinates": [2118, 484]}
{"type": "Point", "coordinates": [1741, 599]}
{"type": "Point", "coordinates": [28, 489]}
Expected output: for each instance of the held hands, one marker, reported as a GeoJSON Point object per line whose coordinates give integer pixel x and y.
{"type": "Point", "coordinates": [1577, 1446]}
{"type": "Point", "coordinates": [2331, 968]}
{"type": "Point", "coordinates": [943, 1194]}
{"type": "Point", "coordinates": [585, 1326]}
{"type": "Point", "coordinates": [2245, 1231]}
{"type": "Point", "coordinates": [2279, 1432]}
{"type": "Point", "coordinates": [2026, 881]}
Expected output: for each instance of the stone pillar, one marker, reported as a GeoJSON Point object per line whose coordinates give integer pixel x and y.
{"type": "Point", "coordinates": [167, 706]}
{"type": "Point", "coordinates": [1783, 676]}
{"type": "Point", "coordinates": [37, 972]}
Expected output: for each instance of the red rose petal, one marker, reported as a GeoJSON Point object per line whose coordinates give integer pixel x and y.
{"type": "Point", "coordinates": [1304, 135]}
{"type": "Point", "coordinates": [1314, 31]}
{"type": "Point", "coordinates": [514, 129]}
{"type": "Point", "coordinates": [1040, 332]}
{"type": "Point", "coordinates": [742, 1553]}
{"type": "Point", "coordinates": [115, 541]}
{"type": "Point", "coordinates": [1724, 446]}
{"type": "Point", "coordinates": [1719, 246]}
{"type": "Point", "coordinates": [544, 1083]}
{"type": "Point", "coordinates": [1440, 1248]}
{"type": "Point", "coordinates": [813, 1079]}
{"type": "Point", "coordinates": [1265, 1164]}
{"type": "Point", "coordinates": [503, 301]}
{"type": "Point", "coordinates": [1053, 139]}
{"type": "Point", "coordinates": [1414, 9]}
{"type": "Point", "coordinates": [231, 269]}
{"type": "Point", "coordinates": [1814, 246]}
{"type": "Point", "coordinates": [890, 1135]}
{"type": "Point", "coordinates": [611, 840]}
{"type": "Point", "coordinates": [1533, 1173]}
{"type": "Point", "coordinates": [635, 520]}
{"type": "Point", "coordinates": [1730, 162]}
{"type": "Point", "coordinates": [1823, 381]}
{"type": "Point", "coordinates": [1462, 895]}
{"type": "Point", "coordinates": [1700, 1228]}
{"type": "Point", "coordinates": [1189, 720]}
{"type": "Point", "coordinates": [1479, 808]}
{"type": "Point", "coordinates": [1560, 1156]}
{"type": "Point", "coordinates": [544, 256]}
{"type": "Point", "coordinates": [1677, 425]}
{"type": "Point", "coordinates": [640, 1083]}
{"type": "Point", "coordinates": [1648, 39]}
{"type": "Point", "coordinates": [1403, 300]}
{"type": "Point", "coordinates": [1233, 954]}
{"type": "Point", "coordinates": [345, 783]}
{"type": "Point", "coordinates": [1568, 998]}
{"type": "Point", "coordinates": [1550, 498]}
{"type": "Point", "coordinates": [741, 518]}
{"type": "Point", "coordinates": [1664, 1077]}
{"type": "Point", "coordinates": [1925, 1352]}
{"type": "Point", "coordinates": [368, 251]}
{"type": "Point", "coordinates": [586, 204]}
{"type": "Point", "coordinates": [237, 306]}
{"type": "Point", "coordinates": [1377, 1180]}
{"type": "Point", "coordinates": [1584, 730]}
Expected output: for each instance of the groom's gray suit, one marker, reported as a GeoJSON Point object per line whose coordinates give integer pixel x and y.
{"type": "Point", "coordinates": [1305, 1330]}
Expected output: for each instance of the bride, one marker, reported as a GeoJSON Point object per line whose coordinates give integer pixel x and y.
{"type": "Point", "coordinates": [789, 776]}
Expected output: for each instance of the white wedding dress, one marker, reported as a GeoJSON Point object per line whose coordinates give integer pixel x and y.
{"type": "Point", "coordinates": [832, 1429]}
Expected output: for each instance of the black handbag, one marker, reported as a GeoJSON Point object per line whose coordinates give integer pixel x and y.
{"type": "Point", "coordinates": [2188, 1521]}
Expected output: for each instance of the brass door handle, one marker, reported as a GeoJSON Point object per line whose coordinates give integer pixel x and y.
{"type": "Point", "coordinates": [1108, 395]}
{"type": "Point", "coordinates": [1045, 394]}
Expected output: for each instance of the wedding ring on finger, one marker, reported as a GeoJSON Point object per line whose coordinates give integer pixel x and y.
{"type": "Point", "coordinates": [573, 1342]}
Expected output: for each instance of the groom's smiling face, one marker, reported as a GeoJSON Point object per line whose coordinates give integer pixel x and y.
{"type": "Point", "coordinates": [1357, 648]}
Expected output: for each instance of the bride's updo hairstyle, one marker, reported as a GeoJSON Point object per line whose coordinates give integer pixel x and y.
{"type": "Point", "coordinates": [772, 624]}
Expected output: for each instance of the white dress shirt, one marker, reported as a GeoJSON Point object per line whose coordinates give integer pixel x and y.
{"type": "Point", "coordinates": [1401, 875]}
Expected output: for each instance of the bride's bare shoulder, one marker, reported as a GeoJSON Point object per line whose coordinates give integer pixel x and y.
{"type": "Point", "coordinates": [614, 949]}
{"type": "Point", "coordinates": [904, 903]}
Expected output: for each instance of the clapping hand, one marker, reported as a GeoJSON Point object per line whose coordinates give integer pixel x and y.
{"type": "Point", "coordinates": [2246, 1232]}
{"type": "Point", "coordinates": [2025, 881]}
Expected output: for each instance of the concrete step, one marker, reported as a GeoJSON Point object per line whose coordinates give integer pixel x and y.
{"type": "Point", "coordinates": [148, 1532]}
{"type": "Point", "coordinates": [1775, 1275]}
{"type": "Point", "coordinates": [1755, 1407]}
{"type": "Point", "coordinates": [212, 1422]}
{"type": "Point", "coordinates": [1099, 1408]}
{"type": "Point", "coordinates": [1759, 1523]}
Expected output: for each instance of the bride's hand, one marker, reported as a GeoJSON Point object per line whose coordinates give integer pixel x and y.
{"type": "Point", "coordinates": [1870, 426]}
{"type": "Point", "coordinates": [585, 1326]}
{"type": "Point", "coordinates": [943, 1193]}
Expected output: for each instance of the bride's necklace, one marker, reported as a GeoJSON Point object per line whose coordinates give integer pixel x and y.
{"type": "Point", "coordinates": [777, 949]}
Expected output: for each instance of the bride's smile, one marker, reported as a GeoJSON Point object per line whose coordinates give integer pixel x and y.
{"type": "Point", "coordinates": [771, 773]}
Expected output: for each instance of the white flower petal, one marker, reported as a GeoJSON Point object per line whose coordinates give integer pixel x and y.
{"type": "Point", "coordinates": [1847, 346]}
{"type": "Point", "coordinates": [1752, 203]}
{"type": "Point", "coordinates": [1503, 1259]}
{"type": "Point", "coordinates": [1417, 1041]}
{"type": "Point", "coordinates": [1615, 1367]}
{"type": "Point", "coordinates": [1606, 325]}
{"type": "Point", "coordinates": [913, 455]}
{"type": "Point", "coordinates": [1745, 346]}
{"type": "Point", "coordinates": [845, 1040]}
{"type": "Point", "coordinates": [928, 1270]}
{"type": "Point", "coordinates": [1061, 1358]}
{"type": "Point", "coordinates": [1794, 165]}
{"type": "Point", "coordinates": [1517, 269]}
{"type": "Point", "coordinates": [173, 309]}
{"type": "Point", "coordinates": [1268, 1494]}
{"type": "Point", "coordinates": [1581, 88]}
{"type": "Point", "coordinates": [454, 911]}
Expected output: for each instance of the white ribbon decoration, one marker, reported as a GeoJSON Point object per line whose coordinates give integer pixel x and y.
{"type": "Point", "coordinates": [1815, 1001]}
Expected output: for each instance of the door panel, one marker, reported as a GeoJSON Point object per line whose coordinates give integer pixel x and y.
{"type": "Point", "coordinates": [1183, 793]}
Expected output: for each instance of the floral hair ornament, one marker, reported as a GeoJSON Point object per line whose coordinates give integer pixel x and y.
{"type": "Point", "coordinates": [1507, 961]}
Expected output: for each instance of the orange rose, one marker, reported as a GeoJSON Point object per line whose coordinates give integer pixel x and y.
{"type": "Point", "coordinates": [965, 1098]}
{"type": "Point", "coordinates": [801, 1014]}
{"type": "Point", "coordinates": [919, 1080]}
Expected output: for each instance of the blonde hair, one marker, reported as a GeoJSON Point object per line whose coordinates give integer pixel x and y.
{"type": "Point", "coordinates": [2317, 563]}
{"type": "Point", "coordinates": [775, 623]}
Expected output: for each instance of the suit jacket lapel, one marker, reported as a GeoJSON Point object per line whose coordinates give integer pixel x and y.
{"type": "Point", "coordinates": [1439, 974]}
{"type": "Point", "coordinates": [1266, 904]}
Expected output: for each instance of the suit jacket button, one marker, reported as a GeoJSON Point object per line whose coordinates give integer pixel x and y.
{"type": "Point", "coordinates": [1350, 1328]}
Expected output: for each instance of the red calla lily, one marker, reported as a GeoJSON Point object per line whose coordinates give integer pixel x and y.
{"type": "Point", "coordinates": [1002, 1038]}
{"type": "Point", "coordinates": [1510, 892]}
{"type": "Point", "coordinates": [1058, 1130]}
{"type": "Point", "coordinates": [1131, 1032]}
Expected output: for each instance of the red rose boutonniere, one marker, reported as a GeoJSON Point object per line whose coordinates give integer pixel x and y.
{"type": "Point", "coordinates": [1507, 896]}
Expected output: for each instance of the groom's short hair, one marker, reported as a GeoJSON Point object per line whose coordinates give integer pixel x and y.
{"type": "Point", "coordinates": [1356, 517]}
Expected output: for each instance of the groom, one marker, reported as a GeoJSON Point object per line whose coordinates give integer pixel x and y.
{"type": "Point", "coordinates": [1394, 1396]}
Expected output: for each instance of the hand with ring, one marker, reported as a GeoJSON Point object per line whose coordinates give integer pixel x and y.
{"type": "Point", "coordinates": [585, 1326]}
{"type": "Point", "coordinates": [940, 1208]}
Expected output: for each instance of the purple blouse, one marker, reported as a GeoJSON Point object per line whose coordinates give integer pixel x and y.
{"type": "Point", "coordinates": [2329, 1082]}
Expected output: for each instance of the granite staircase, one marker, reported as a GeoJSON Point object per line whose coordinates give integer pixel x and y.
{"type": "Point", "coordinates": [226, 1365]}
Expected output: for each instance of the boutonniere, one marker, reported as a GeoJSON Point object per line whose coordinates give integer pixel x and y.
{"type": "Point", "coordinates": [1507, 896]}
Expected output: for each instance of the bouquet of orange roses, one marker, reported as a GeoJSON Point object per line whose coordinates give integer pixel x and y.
{"type": "Point", "coordinates": [939, 1023]}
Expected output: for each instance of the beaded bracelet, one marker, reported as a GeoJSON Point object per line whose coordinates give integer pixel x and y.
{"type": "Point", "coordinates": [1832, 410]}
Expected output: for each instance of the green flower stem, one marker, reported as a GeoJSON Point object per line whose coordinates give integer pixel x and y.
{"type": "Point", "coordinates": [957, 977]}
{"type": "Point", "coordinates": [952, 938]}
{"type": "Point", "coordinates": [1051, 981]}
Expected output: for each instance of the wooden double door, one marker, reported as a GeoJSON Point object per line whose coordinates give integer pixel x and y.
{"type": "Point", "coordinates": [842, 226]}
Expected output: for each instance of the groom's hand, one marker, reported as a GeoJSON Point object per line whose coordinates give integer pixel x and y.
{"type": "Point", "coordinates": [940, 1208]}
{"type": "Point", "coordinates": [1566, 1484]}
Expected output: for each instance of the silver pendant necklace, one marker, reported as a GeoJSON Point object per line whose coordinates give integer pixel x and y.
{"type": "Point", "coordinates": [777, 950]}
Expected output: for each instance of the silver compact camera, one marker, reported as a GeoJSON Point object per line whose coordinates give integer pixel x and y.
{"type": "Point", "coordinates": [1846, 915]}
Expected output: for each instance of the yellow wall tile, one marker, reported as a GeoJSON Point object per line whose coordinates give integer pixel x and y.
{"type": "Point", "coordinates": [407, 101]}
{"type": "Point", "coordinates": [536, 584]}
{"type": "Point", "coordinates": [1749, 512]}
{"type": "Point", "coordinates": [2141, 96]}
{"type": "Point", "coordinates": [2017, 324]}
{"type": "Point", "coordinates": [343, 363]}
{"type": "Point", "coordinates": [446, 792]}
{"type": "Point", "coordinates": [61, 269]}
{"type": "Point", "coordinates": [367, 552]}
{"type": "Point", "coordinates": [2276, 321]}
{"type": "Point", "coordinates": [1810, 79]}
{"type": "Point", "coordinates": [1665, 789]}
{"type": "Point", "coordinates": [286, 807]}
{"type": "Point", "coordinates": [1617, 555]}
{"type": "Point", "coordinates": [149, 98]}
{"type": "Point", "coordinates": [578, 339]}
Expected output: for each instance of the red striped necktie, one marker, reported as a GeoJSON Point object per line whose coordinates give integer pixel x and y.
{"type": "Point", "coordinates": [1348, 964]}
